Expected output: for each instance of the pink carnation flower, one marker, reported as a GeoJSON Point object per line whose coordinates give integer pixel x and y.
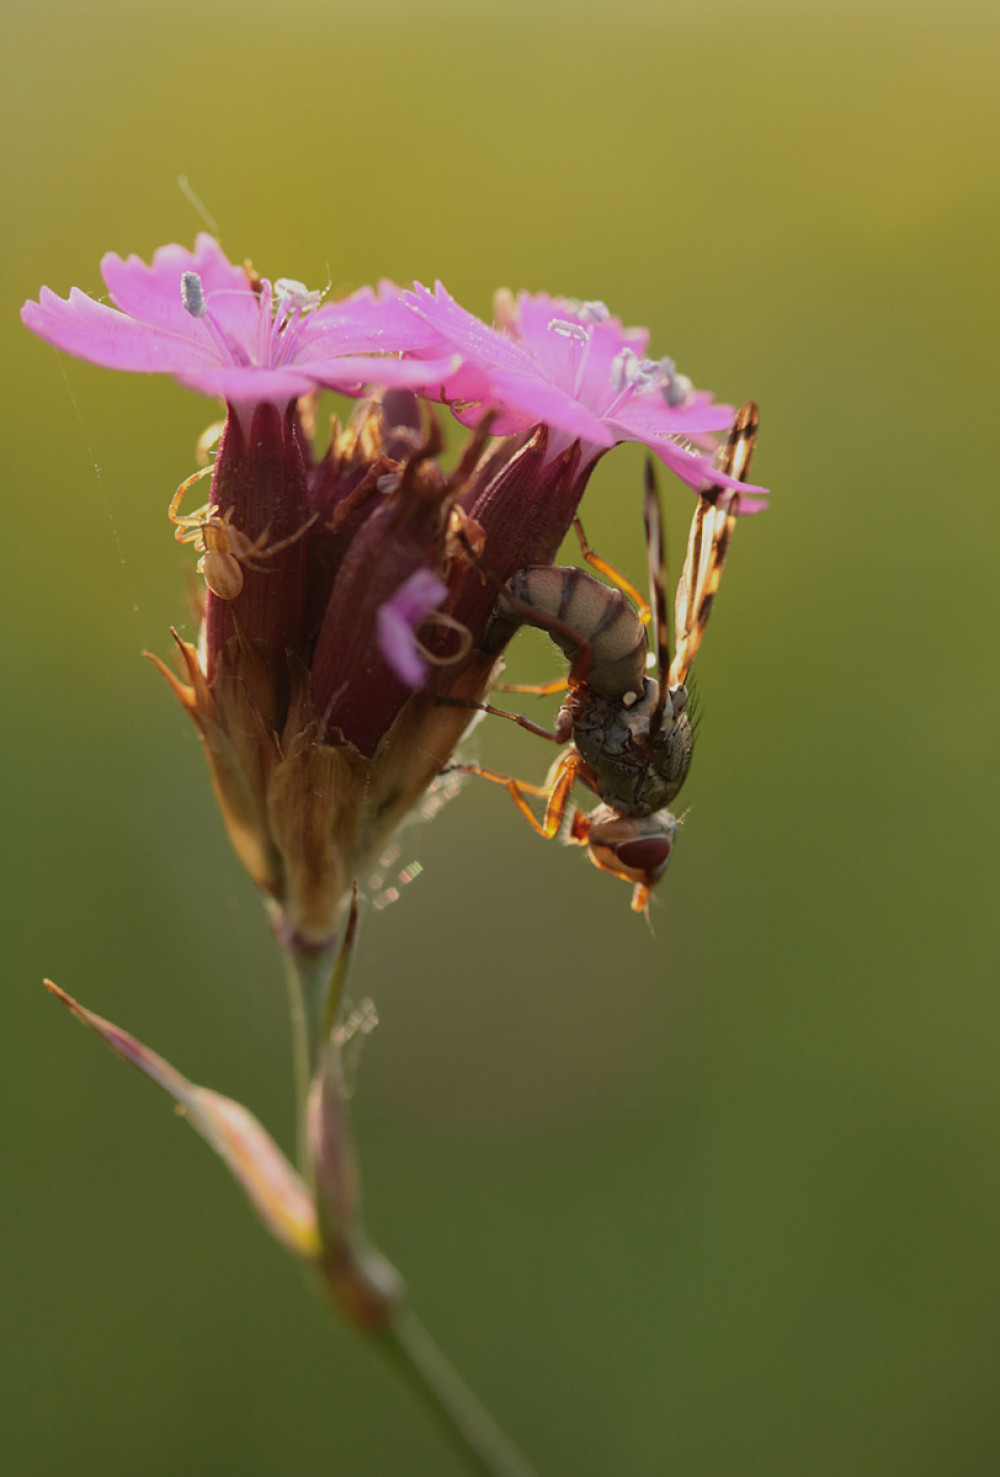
{"type": "Point", "coordinates": [222, 331]}
{"type": "Point", "coordinates": [573, 367]}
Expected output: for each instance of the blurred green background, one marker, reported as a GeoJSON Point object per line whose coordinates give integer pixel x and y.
{"type": "Point", "coordinates": [717, 1201]}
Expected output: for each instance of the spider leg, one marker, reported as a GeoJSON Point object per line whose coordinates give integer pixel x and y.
{"type": "Point", "coordinates": [187, 524]}
{"type": "Point", "coordinates": [252, 555]}
{"type": "Point", "coordinates": [188, 533]}
{"type": "Point", "coordinates": [266, 550]}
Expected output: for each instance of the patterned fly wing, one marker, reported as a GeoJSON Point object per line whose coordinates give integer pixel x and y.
{"type": "Point", "coordinates": [660, 624]}
{"type": "Point", "coordinates": [708, 542]}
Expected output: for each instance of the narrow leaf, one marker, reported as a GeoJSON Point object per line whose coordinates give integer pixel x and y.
{"type": "Point", "coordinates": [275, 1190]}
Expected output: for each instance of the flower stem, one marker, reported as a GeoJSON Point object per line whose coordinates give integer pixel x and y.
{"type": "Point", "coordinates": [411, 1351]}
{"type": "Point", "coordinates": [307, 977]}
{"type": "Point", "coordinates": [365, 1288]}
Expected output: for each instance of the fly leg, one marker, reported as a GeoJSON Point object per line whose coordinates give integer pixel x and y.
{"type": "Point", "coordinates": [518, 718]}
{"type": "Point", "coordinates": [611, 573]}
{"type": "Point", "coordinates": [556, 790]}
{"type": "Point", "coordinates": [540, 689]}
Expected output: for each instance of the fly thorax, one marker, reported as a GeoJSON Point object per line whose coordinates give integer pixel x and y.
{"type": "Point", "coordinates": [613, 738]}
{"type": "Point", "coordinates": [601, 730]}
{"type": "Point", "coordinates": [672, 752]}
{"type": "Point", "coordinates": [637, 710]}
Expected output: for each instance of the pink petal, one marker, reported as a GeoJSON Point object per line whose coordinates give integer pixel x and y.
{"type": "Point", "coordinates": [248, 386]}
{"type": "Point", "coordinates": [349, 375]}
{"type": "Point", "coordinates": [539, 402]}
{"type": "Point", "coordinates": [153, 293]}
{"type": "Point", "coordinates": [535, 312]}
{"type": "Point", "coordinates": [695, 470]}
{"type": "Point", "coordinates": [272, 1186]}
{"type": "Point", "coordinates": [102, 335]}
{"type": "Point", "coordinates": [649, 415]}
{"type": "Point", "coordinates": [597, 385]}
{"type": "Point", "coordinates": [518, 401]}
{"type": "Point", "coordinates": [350, 371]}
{"type": "Point", "coordinates": [397, 620]}
{"type": "Point", "coordinates": [366, 323]}
{"type": "Point", "coordinates": [470, 415]}
{"type": "Point", "coordinates": [470, 336]}
{"type": "Point", "coordinates": [584, 367]}
{"type": "Point", "coordinates": [500, 374]}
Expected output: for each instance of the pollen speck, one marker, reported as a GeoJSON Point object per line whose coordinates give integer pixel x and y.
{"type": "Point", "coordinates": [193, 295]}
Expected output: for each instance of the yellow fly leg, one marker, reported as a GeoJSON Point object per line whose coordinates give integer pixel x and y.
{"type": "Point", "coordinates": [556, 790]}
{"type": "Point", "coordinates": [619, 580]}
{"type": "Point", "coordinates": [540, 689]}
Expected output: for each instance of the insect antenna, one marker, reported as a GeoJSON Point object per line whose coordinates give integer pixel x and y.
{"type": "Point", "coordinates": [660, 625]}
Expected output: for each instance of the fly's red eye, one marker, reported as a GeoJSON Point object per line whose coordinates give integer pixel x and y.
{"type": "Point", "coordinates": [645, 854]}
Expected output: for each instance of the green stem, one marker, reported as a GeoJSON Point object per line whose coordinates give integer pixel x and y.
{"type": "Point", "coordinates": [366, 1289]}
{"type": "Point", "coordinates": [307, 977]}
{"type": "Point", "coordinates": [411, 1351]}
{"type": "Point", "coordinates": [315, 994]}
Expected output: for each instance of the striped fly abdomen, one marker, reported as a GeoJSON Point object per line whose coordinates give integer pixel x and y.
{"type": "Point", "coordinates": [576, 610]}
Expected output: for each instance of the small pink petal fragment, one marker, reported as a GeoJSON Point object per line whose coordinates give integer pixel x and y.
{"type": "Point", "coordinates": [273, 1187]}
{"type": "Point", "coordinates": [397, 622]}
